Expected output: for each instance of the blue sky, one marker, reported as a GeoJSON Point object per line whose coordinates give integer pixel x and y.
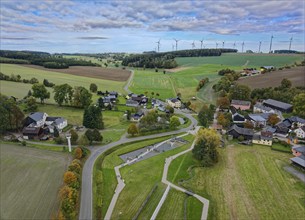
{"type": "Point", "coordinates": [136, 26]}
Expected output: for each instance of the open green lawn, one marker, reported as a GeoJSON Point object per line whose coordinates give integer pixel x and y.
{"type": "Point", "coordinates": [140, 179]}
{"type": "Point", "coordinates": [239, 59]}
{"type": "Point", "coordinates": [30, 180]}
{"type": "Point", "coordinates": [57, 78]}
{"type": "Point", "coordinates": [247, 183]}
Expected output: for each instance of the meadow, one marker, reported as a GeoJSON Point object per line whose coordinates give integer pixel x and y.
{"type": "Point", "coordinates": [246, 183]}
{"type": "Point", "coordinates": [30, 180]}
{"type": "Point", "coordinates": [140, 178]}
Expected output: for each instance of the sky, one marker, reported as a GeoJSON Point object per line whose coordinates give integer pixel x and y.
{"type": "Point", "coordinates": [135, 26]}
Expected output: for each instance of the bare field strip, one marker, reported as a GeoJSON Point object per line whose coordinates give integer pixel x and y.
{"type": "Point", "coordinates": [30, 180]}
{"type": "Point", "coordinates": [295, 75]}
{"type": "Point", "coordinates": [90, 71]}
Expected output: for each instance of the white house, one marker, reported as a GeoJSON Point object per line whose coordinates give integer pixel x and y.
{"type": "Point", "coordinates": [36, 119]}
{"type": "Point", "coordinates": [260, 108]}
{"type": "Point", "coordinates": [58, 122]}
{"type": "Point", "coordinates": [265, 138]}
{"type": "Point", "coordinates": [174, 102]}
{"type": "Point", "coordinates": [300, 132]}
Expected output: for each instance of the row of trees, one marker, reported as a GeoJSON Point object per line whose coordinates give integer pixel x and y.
{"type": "Point", "coordinates": [17, 78]}
{"type": "Point", "coordinates": [202, 83]}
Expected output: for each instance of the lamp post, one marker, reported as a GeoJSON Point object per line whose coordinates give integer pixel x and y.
{"type": "Point", "coordinates": [68, 136]}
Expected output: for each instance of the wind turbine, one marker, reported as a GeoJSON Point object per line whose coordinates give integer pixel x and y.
{"type": "Point", "coordinates": [234, 45]}
{"type": "Point", "coordinates": [176, 43]}
{"type": "Point", "coordinates": [290, 41]}
{"type": "Point", "coordinates": [242, 47]}
{"type": "Point", "coordinates": [216, 45]}
{"type": "Point", "coordinates": [259, 47]}
{"type": "Point", "coordinates": [223, 44]}
{"type": "Point", "coordinates": [201, 41]}
{"type": "Point", "coordinates": [271, 43]}
{"type": "Point", "coordinates": [158, 42]}
{"type": "Point", "coordinates": [193, 45]}
{"type": "Point", "coordinates": [173, 47]}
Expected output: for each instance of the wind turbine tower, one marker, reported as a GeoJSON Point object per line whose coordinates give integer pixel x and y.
{"type": "Point", "coordinates": [234, 45]}
{"type": "Point", "coordinates": [173, 47]}
{"type": "Point", "coordinates": [290, 41]}
{"type": "Point", "coordinates": [271, 44]}
{"type": "Point", "coordinates": [176, 43]}
{"type": "Point", "coordinates": [223, 44]}
{"type": "Point", "coordinates": [158, 42]}
{"type": "Point", "coordinates": [193, 45]}
{"type": "Point", "coordinates": [201, 43]}
{"type": "Point", "coordinates": [242, 47]}
{"type": "Point", "coordinates": [216, 45]}
{"type": "Point", "coordinates": [259, 47]}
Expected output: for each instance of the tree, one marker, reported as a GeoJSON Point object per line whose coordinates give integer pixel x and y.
{"type": "Point", "coordinates": [93, 117]}
{"type": "Point", "coordinates": [97, 135]}
{"type": "Point", "coordinates": [84, 140]}
{"type": "Point", "coordinates": [31, 105]}
{"type": "Point", "coordinates": [75, 167]}
{"type": "Point", "coordinates": [222, 120]}
{"type": "Point", "coordinates": [69, 178]}
{"type": "Point", "coordinates": [132, 129]}
{"type": "Point", "coordinates": [240, 92]}
{"type": "Point", "coordinates": [205, 149]}
{"type": "Point", "coordinates": [93, 87]}
{"type": "Point", "coordinates": [74, 136]}
{"type": "Point", "coordinates": [170, 109]}
{"type": "Point", "coordinates": [56, 132]}
{"type": "Point", "coordinates": [298, 105]}
{"type": "Point", "coordinates": [273, 119]}
{"type": "Point", "coordinates": [81, 97]}
{"type": "Point", "coordinates": [285, 84]}
{"type": "Point", "coordinates": [40, 92]}
{"type": "Point", "coordinates": [78, 153]}
{"type": "Point", "coordinates": [223, 102]}
{"type": "Point", "coordinates": [174, 122]}
{"type": "Point", "coordinates": [89, 134]}
{"type": "Point", "coordinates": [249, 125]}
{"type": "Point", "coordinates": [65, 192]}
{"type": "Point", "coordinates": [63, 94]}
{"type": "Point", "coordinates": [205, 115]}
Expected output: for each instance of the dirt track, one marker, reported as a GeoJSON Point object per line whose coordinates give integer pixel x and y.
{"type": "Point", "coordinates": [91, 71]}
{"type": "Point", "coordinates": [295, 75]}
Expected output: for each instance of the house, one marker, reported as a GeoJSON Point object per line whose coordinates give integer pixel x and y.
{"type": "Point", "coordinates": [113, 93]}
{"type": "Point", "coordinates": [249, 71]}
{"type": "Point", "coordinates": [240, 104]}
{"type": "Point", "coordinates": [36, 119]}
{"type": "Point", "coordinates": [294, 120]}
{"type": "Point", "coordinates": [257, 120]}
{"type": "Point", "coordinates": [59, 122]}
{"type": "Point", "coordinates": [281, 106]}
{"type": "Point", "coordinates": [270, 129]}
{"type": "Point", "coordinates": [236, 132]}
{"type": "Point", "coordinates": [299, 152]}
{"type": "Point", "coordinates": [238, 118]}
{"type": "Point", "coordinates": [140, 99]}
{"type": "Point", "coordinates": [132, 103]}
{"type": "Point", "coordinates": [267, 68]}
{"type": "Point", "coordinates": [260, 108]}
{"type": "Point", "coordinates": [282, 129]}
{"type": "Point", "coordinates": [161, 108]}
{"type": "Point", "coordinates": [137, 117]}
{"type": "Point", "coordinates": [265, 138]}
{"type": "Point", "coordinates": [300, 132]}
{"type": "Point", "coordinates": [30, 133]}
{"type": "Point", "coordinates": [174, 102]}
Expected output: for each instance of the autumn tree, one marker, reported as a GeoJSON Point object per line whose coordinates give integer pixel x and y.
{"type": "Point", "coordinates": [65, 192]}
{"type": "Point", "coordinates": [78, 153]}
{"type": "Point", "coordinates": [69, 178]}
{"type": "Point", "coordinates": [249, 125]}
{"type": "Point", "coordinates": [75, 168]}
{"type": "Point", "coordinates": [205, 149]}
{"type": "Point", "coordinates": [222, 120]}
{"type": "Point", "coordinates": [132, 129]}
{"type": "Point", "coordinates": [223, 102]}
{"type": "Point", "coordinates": [174, 122]}
{"type": "Point", "coordinates": [273, 119]}
{"type": "Point", "coordinates": [40, 92]}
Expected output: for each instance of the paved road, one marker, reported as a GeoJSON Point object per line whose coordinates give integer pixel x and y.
{"type": "Point", "coordinates": [86, 206]}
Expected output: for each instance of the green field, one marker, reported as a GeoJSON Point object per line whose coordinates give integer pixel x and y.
{"type": "Point", "coordinates": [140, 179]}
{"type": "Point", "coordinates": [238, 59]}
{"type": "Point", "coordinates": [30, 180]}
{"type": "Point", "coordinates": [92, 59]}
{"type": "Point", "coordinates": [247, 183]}
{"type": "Point", "coordinates": [20, 89]}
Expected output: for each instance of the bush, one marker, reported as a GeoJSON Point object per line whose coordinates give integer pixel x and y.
{"type": "Point", "coordinates": [241, 138]}
{"type": "Point", "coordinates": [23, 143]}
{"type": "Point", "coordinates": [59, 140]}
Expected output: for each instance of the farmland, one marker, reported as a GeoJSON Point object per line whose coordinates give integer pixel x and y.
{"type": "Point", "coordinates": [237, 59]}
{"type": "Point", "coordinates": [30, 180]}
{"type": "Point", "coordinates": [295, 75]}
{"type": "Point", "coordinates": [247, 182]}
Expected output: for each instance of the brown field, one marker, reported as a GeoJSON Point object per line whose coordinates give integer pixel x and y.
{"type": "Point", "coordinates": [295, 75]}
{"type": "Point", "coordinates": [91, 71]}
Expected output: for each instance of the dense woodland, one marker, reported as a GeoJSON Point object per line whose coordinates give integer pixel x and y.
{"type": "Point", "coordinates": [167, 59]}
{"type": "Point", "coordinates": [41, 58]}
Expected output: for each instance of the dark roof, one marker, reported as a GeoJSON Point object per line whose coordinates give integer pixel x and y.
{"type": "Point", "coordinates": [59, 120]}
{"type": "Point", "coordinates": [240, 102]}
{"type": "Point", "coordinates": [267, 135]}
{"type": "Point", "coordinates": [270, 129]}
{"type": "Point", "coordinates": [238, 117]}
{"type": "Point", "coordinates": [113, 93]}
{"type": "Point", "coordinates": [37, 116]}
{"type": "Point", "coordinates": [299, 148]}
{"type": "Point", "coordinates": [299, 160]}
{"type": "Point", "coordinates": [286, 124]}
{"type": "Point", "coordinates": [256, 117]}
{"type": "Point", "coordinates": [296, 119]}
{"type": "Point", "coordinates": [31, 130]}
{"type": "Point", "coordinates": [242, 131]}
{"type": "Point", "coordinates": [262, 107]}
{"type": "Point", "coordinates": [51, 118]}
{"type": "Point", "coordinates": [282, 130]}
{"type": "Point", "coordinates": [233, 110]}
{"type": "Point", "coordinates": [278, 104]}
{"type": "Point", "coordinates": [174, 100]}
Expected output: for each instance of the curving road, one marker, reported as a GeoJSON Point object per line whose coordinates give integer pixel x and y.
{"type": "Point", "coordinates": [86, 206]}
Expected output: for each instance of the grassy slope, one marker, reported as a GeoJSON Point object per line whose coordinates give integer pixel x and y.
{"type": "Point", "coordinates": [255, 60]}
{"type": "Point", "coordinates": [30, 180]}
{"type": "Point", "coordinates": [248, 182]}
{"type": "Point", "coordinates": [55, 77]}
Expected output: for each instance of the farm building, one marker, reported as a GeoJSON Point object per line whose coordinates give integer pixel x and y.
{"type": "Point", "coordinates": [299, 153]}
{"type": "Point", "coordinates": [300, 132]}
{"type": "Point", "coordinates": [281, 106]}
{"type": "Point", "coordinates": [236, 132]}
{"type": "Point", "coordinates": [294, 120]}
{"type": "Point", "coordinates": [174, 102]}
{"type": "Point", "coordinates": [36, 119]}
{"type": "Point", "coordinates": [258, 120]}
{"type": "Point", "coordinates": [30, 133]}
{"type": "Point", "coordinates": [267, 68]}
{"type": "Point", "coordinates": [260, 108]}
{"type": "Point", "coordinates": [137, 117]}
{"type": "Point", "coordinates": [132, 103]}
{"type": "Point", "coordinates": [265, 138]}
{"type": "Point", "coordinates": [238, 118]}
{"type": "Point", "coordinates": [58, 122]}
{"type": "Point", "coordinates": [240, 104]}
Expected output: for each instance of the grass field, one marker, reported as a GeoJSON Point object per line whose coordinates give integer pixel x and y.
{"type": "Point", "coordinates": [30, 180]}
{"type": "Point", "coordinates": [238, 59]}
{"type": "Point", "coordinates": [247, 183]}
{"type": "Point", "coordinates": [295, 75]}
{"type": "Point", "coordinates": [54, 77]}
{"type": "Point", "coordinates": [92, 59]}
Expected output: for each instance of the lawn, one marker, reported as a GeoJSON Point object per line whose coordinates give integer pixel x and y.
{"type": "Point", "coordinates": [140, 179]}
{"type": "Point", "coordinates": [238, 59]}
{"type": "Point", "coordinates": [247, 183]}
{"type": "Point", "coordinates": [30, 180]}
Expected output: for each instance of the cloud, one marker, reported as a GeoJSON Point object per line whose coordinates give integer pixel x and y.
{"type": "Point", "coordinates": [17, 38]}
{"type": "Point", "coordinates": [92, 38]}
